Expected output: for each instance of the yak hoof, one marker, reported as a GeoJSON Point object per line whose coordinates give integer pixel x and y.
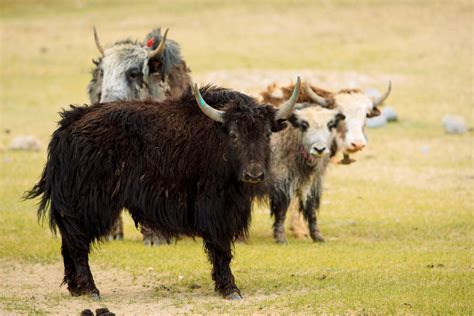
{"type": "Point", "coordinates": [95, 295]}
{"type": "Point", "coordinates": [282, 241]}
{"type": "Point", "coordinates": [318, 238]}
{"type": "Point", "coordinates": [154, 241]}
{"type": "Point", "coordinates": [234, 296]}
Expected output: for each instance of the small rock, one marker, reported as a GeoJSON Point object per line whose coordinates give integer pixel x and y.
{"type": "Point", "coordinates": [102, 311]}
{"type": "Point", "coordinates": [87, 312]}
{"type": "Point", "coordinates": [28, 143]}
{"type": "Point", "coordinates": [389, 113]}
{"type": "Point", "coordinates": [377, 122]}
{"type": "Point", "coordinates": [454, 124]}
{"type": "Point", "coordinates": [425, 149]}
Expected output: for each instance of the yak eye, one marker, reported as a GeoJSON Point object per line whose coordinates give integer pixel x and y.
{"type": "Point", "coordinates": [304, 126]}
{"type": "Point", "coordinates": [331, 125]}
{"type": "Point", "coordinates": [133, 73]}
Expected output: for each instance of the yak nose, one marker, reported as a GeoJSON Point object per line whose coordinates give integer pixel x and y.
{"type": "Point", "coordinates": [254, 173]}
{"type": "Point", "coordinates": [358, 145]}
{"type": "Point", "coordinates": [317, 150]}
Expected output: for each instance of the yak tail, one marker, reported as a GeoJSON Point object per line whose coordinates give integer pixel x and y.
{"type": "Point", "coordinates": [43, 188]}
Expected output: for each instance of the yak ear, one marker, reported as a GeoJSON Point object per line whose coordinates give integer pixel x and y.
{"type": "Point", "coordinates": [374, 112]}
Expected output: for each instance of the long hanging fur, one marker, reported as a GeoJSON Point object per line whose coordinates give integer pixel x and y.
{"type": "Point", "coordinates": [165, 163]}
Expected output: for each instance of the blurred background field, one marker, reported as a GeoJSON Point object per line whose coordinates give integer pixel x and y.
{"type": "Point", "coordinates": [399, 222]}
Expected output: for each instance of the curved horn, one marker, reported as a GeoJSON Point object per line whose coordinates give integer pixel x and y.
{"type": "Point", "coordinates": [97, 42]}
{"type": "Point", "coordinates": [384, 96]}
{"type": "Point", "coordinates": [315, 97]}
{"type": "Point", "coordinates": [213, 114]}
{"type": "Point", "coordinates": [286, 109]}
{"type": "Point", "coordinates": [160, 47]}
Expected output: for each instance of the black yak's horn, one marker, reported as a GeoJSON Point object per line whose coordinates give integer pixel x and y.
{"type": "Point", "coordinates": [97, 42]}
{"type": "Point", "coordinates": [380, 100]}
{"type": "Point", "coordinates": [285, 110]}
{"type": "Point", "coordinates": [315, 97]}
{"type": "Point", "coordinates": [160, 47]}
{"type": "Point", "coordinates": [213, 114]}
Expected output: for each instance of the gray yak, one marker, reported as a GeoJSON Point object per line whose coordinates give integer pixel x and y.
{"type": "Point", "coordinates": [300, 179]}
{"type": "Point", "coordinates": [128, 70]}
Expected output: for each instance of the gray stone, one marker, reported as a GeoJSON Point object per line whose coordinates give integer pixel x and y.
{"type": "Point", "coordinates": [377, 122]}
{"type": "Point", "coordinates": [27, 143]}
{"type": "Point", "coordinates": [454, 124]}
{"type": "Point", "coordinates": [389, 113]}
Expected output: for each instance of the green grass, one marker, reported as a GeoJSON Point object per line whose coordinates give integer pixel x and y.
{"type": "Point", "coordinates": [399, 222]}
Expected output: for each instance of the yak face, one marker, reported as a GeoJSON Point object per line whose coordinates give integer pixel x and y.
{"type": "Point", "coordinates": [129, 70]}
{"type": "Point", "coordinates": [123, 73]}
{"type": "Point", "coordinates": [357, 107]}
{"type": "Point", "coordinates": [248, 127]}
{"type": "Point", "coordinates": [318, 129]}
{"type": "Point", "coordinates": [248, 138]}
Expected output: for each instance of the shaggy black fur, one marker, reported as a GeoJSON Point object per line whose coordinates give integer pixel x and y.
{"type": "Point", "coordinates": [177, 171]}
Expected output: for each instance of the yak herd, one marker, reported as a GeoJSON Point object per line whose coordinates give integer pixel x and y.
{"type": "Point", "coordinates": [187, 161]}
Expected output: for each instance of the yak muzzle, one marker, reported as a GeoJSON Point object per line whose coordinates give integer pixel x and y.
{"type": "Point", "coordinates": [317, 151]}
{"type": "Point", "coordinates": [254, 173]}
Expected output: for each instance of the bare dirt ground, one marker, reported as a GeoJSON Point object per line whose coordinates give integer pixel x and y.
{"type": "Point", "coordinates": [40, 283]}
{"type": "Point", "coordinates": [36, 289]}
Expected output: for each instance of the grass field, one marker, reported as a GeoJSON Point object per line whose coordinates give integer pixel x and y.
{"type": "Point", "coordinates": [399, 223]}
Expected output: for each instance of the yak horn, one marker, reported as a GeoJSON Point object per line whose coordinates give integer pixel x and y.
{"type": "Point", "coordinates": [315, 97]}
{"type": "Point", "coordinates": [213, 114]}
{"type": "Point", "coordinates": [160, 47]}
{"type": "Point", "coordinates": [380, 100]}
{"type": "Point", "coordinates": [286, 109]}
{"type": "Point", "coordinates": [97, 42]}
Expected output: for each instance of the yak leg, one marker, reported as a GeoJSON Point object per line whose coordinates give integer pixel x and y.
{"type": "Point", "coordinates": [77, 273]}
{"type": "Point", "coordinates": [309, 206]}
{"type": "Point", "coordinates": [279, 204]}
{"type": "Point", "coordinates": [84, 279]}
{"type": "Point", "coordinates": [153, 238]}
{"type": "Point", "coordinates": [297, 224]}
{"type": "Point", "coordinates": [69, 270]}
{"type": "Point", "coordinates": [220, 257]}
{"type": "Point", "coordinates": [116, 233]}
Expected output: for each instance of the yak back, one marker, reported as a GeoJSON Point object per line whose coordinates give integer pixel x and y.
{"type": "Point", "coordinates": [276, 95]}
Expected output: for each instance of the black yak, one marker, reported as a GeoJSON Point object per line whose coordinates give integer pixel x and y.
{"type": "Point", "coordinates": [174, 170]}
{"type": "Point", "coordinates": [129, 70]}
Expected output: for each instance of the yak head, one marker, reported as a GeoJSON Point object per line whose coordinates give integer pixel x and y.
{"type": "Point", "coordinates": [129, 70]}
{"type": "Point", "coordinates": [356, 107]}
{"type": "Point", "coordinates": [247, 127]}
{"type": "Point", "coordinates": [318, 130]}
